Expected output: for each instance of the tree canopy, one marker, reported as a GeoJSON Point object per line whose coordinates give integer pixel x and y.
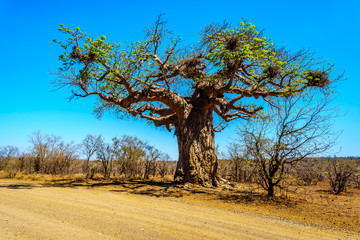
{"type": "Point", "coordinates": [156, 82]}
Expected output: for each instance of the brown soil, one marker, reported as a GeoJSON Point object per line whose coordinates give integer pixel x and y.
{"type": "Point", "coordinates": [78, 209]}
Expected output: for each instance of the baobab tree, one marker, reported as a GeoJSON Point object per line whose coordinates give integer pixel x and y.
{"type": "Point", "coordinates": [231, 73]}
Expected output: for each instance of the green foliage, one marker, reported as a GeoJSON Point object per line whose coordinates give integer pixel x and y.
{"type": "Point", "coordinates": [242, 42]}
{"type": "Point", "coordinates": [246, 45]}
{"type": "Point", "coordinates": [99, 62]}
{"type": "Point", "coordinates": [240, 56]}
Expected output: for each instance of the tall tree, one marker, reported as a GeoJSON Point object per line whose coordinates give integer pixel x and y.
{"type": "Point", "coordinates": [229, 74]}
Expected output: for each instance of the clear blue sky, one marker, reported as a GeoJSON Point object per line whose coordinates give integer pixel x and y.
{"type": "Point", "coordinates": [28, 56]}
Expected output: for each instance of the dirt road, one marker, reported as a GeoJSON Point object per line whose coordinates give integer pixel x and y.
{"type": "Point", "coordinates": [34, 211]}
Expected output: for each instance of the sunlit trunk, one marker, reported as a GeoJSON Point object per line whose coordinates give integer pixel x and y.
{"type": "Point", "coordinates": [197, 157]}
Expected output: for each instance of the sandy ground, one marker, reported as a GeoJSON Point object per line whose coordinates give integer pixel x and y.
{"type": "Point", "coordinates": [34, 211]}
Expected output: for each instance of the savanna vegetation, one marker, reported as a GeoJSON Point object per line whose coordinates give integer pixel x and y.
{"type": "Point", "coordinates": [126, 157]}
{"type": "Point", "coordinates": [318, 191]}
{"type": "Point", "coordinates": [130, 158]}
{"type": "Point", "coordinates": [284, 99]}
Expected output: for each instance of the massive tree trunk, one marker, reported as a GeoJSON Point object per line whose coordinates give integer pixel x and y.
{"type": "Point", "coordinates": [197, 162]}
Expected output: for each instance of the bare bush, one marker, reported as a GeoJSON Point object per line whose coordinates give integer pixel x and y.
{"type": "Point", "coordinates": [27, 161]}
{"type": "Point", "coordinates": [12, 167]}
{"type": "Point", "coordinates": [130, 156]}
{"type": "Point", "coordinates": [295, 129]}
{"type": "Point", "coordinates": [9, 160]}
{"type": "Point", "coordinates": [150, 160]}
{"type": "Point", "coordinates": [95, 167]}
{"type": "Point", "coordinates": [224, 169]}
{"type": "Point", "coordinates": [356, 179]}
{"type": "Point", "coordinates": [242, 168]}
{"type": "Point", "coordinates": [165, 166]}
{"type": "Point", "coordinates": [129, 153]}
{"type": "Point", "coordinates": [51, 155]}
{"type": "Point", "coordinates": [105, 154]}
{"type": "Point", "coordinates": [39, 151]}
{"type": "Point", "coordinates": [61, 157]}
{"type": "Point", "coordinates": [339, 173]}
{"type": "Point", "coordinates": [6, 154]}
{"type": "Point", "coordinates": [88, 147]}
{"type": "Point", "coordinates": [308, 172]}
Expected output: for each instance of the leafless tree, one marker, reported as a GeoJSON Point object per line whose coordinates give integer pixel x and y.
{"type": "Point", "coordinates": [242, 168]}
{"type": "Point", "coordinates": [89, 146]}
{"type": "Point", "coordinates": [229, 74]}
{"type": "Point", "coordinates": [295, 129]}
{"type": "Point", "coordinates": [6, 153]}
{"type": "Point", "coordinates": [308, 171]}
{"type": "Point", "coordinates": [105, 154]}
{"type": "Point", "coordinates": [9, 151]}
{"type": "Point", "coordinates": [339, 172]}
{"type": "Point", "coordinates": [40, 146]}
{"type": "Point", "coordinates": [96, 167]}
{"type": "Point", "coordinates": [356, 178]}
{"type": "Point", "coordinates": [50, 154]}
{"type": "Point", "coordinates": [164, 167]}
{"type": "Point", "coordinates": [129, 152]}
{"type": "Point", "coordinates": [151, 156]}
{"type": "Point", "coordinates": [9, 160]}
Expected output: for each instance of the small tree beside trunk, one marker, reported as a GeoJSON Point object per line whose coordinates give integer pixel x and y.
{"type": "Point", "coordinates": [295, 129]}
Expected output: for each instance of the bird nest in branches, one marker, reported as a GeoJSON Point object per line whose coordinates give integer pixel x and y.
{"type": "Point", "coordinates": [317, 78]}
{"type": "Point", "coordinates": [271, 71]}
{"type": "Point", "coordinates": [82, 57]}
{"type": "Point", "coordinates": [192, 68]}
{"type": "Point", "coordinates": [231, 44]}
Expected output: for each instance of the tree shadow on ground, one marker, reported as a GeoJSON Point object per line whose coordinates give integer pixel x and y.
{"type": "Point", "coordinates": [160, 188]}
{"type": "Point", "coordinates": [249, 197]}
{"type": "Point", "coordinates": [151, 188]}
{"type": "Point", "coordinates": [17, 186]}
{"type": "Point", "coordinates": [154, 188]}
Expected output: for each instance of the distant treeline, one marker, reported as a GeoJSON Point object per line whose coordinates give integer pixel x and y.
{"type": "Point", "coordinates": [129, 157]}
{"type": "Point", "coordinates": [340, 172]}
{"type": "Point", "coordinates": [126, 157]}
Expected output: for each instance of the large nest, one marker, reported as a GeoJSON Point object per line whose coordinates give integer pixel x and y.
{"type": "Point", "coordinates": [317, 78]}
{"type": "Point", "coordinates": [271, 71]}
{"type": "Point", "coordinates": [232, 44]}
{"type": "Point", "coordinates": [83, 57]}
{"type": "Point", "coordinates": [192, 68]}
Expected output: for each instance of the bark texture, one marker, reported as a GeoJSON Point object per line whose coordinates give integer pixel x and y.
{"type": "Point", "coordinates": [197, 162]}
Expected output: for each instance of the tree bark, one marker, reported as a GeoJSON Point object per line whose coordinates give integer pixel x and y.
{"type": "Point", "coordinates": [86, 168]}
{"type": "Point", "coordinates": [197, 162]}
{"type": "Point", "coordinates": [270, 191]}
